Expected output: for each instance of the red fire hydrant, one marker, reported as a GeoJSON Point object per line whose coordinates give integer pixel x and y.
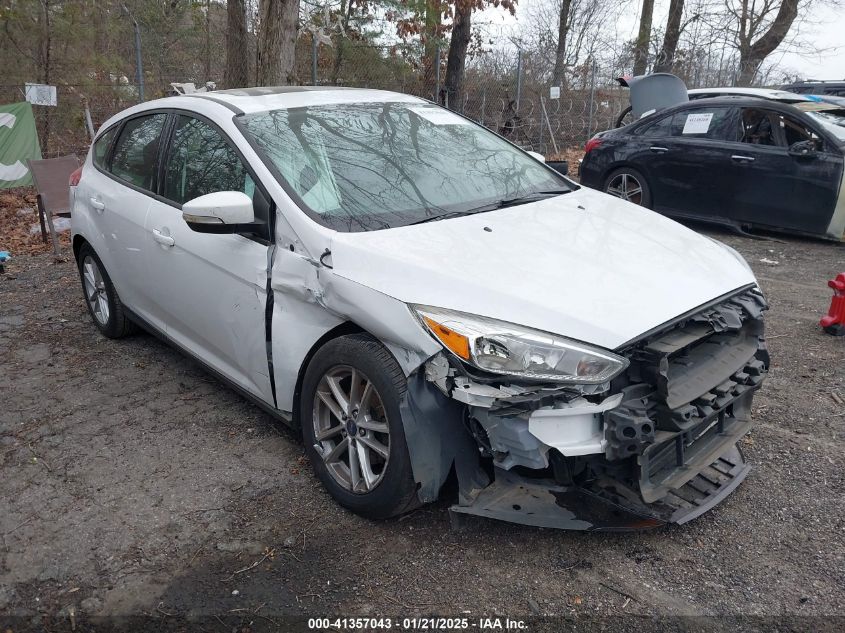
{"type": "Point", "coordinates": [834, 322]}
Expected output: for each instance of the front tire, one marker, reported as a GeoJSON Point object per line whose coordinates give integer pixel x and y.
{"type": "Point", "coordinates": [352, 426]}
{"type": "Point", "coordinates": [630, 185]}
{"type": "Point", "coordinates": [101, 297]}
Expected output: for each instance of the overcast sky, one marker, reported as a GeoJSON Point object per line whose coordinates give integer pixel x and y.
{"type": "Point", "coordinates": [825, 32]}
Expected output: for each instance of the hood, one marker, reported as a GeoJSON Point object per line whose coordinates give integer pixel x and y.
{"type": "Point", "coordinates": [584, 265]}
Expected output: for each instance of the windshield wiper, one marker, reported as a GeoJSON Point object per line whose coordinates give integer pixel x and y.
{"type": "Point", "coordinates": [442, 216]}
{"type": "Point", "coordinates": [493, 206]}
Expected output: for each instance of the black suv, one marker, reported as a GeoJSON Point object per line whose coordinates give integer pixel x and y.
{"type": "Point", "coordinates": [812, 87]}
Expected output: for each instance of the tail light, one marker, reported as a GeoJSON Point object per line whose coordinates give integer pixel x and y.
{"type": "Point", "coordinates": [592, 144]}
{"type": "Point", "coordinates": [75, 177]}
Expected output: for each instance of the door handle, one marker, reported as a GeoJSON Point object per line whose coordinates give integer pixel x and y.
{"type": "Point", "coordinates": [161, 238]}
{"type": "Point", "coordinates": [658, 150]}
{"type": "Point", "coordinates": [742, 159]}
{"type": "Point", "coordinates": [97, 204]}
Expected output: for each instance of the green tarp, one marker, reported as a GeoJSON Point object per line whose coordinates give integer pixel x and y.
{"type": "Point", "coordinates": [18, 142]}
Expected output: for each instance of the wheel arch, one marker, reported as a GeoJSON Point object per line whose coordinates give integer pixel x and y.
{"type": "Point", "coordinates": [344, 329]}
{"type": "Point", "coordinates": [78, 241]}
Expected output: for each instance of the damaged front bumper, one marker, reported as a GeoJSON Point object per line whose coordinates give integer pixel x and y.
{"type": "Point", "coordinates": [657, 446]}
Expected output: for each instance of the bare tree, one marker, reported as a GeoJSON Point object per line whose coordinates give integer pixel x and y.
{"type": "Point", "coordinates": [456, 61]}
{"type": "Point", "coordinates": [558, 74]}
{"type": "Point", "coordinates": [277, 21]}
{"type": "Point", "coordinates": [760, 27]}
{"type": "Point", "coordinates": [237, 69]}
{"type": "Point", "coordinates": [643, 38]}
{"type": "Point", "coordinates": [666, 57]}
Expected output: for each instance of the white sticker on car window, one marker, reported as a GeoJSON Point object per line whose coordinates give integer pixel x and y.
{"type": "Point", "coordinates": [439, 116]}
{"type": "Point", "coordinates": [698, 123]}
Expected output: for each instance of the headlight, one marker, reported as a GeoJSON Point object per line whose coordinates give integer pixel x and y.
{"type": "Point", "coordinates": [505, 348]}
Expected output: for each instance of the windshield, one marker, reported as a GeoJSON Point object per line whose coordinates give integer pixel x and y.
{"type": "Point", "coordinates": [367, 166]}
{"type": "Point", "coordinates": [833, 122]}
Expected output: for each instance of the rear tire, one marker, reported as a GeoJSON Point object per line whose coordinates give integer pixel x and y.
{"type": "Point", "coordinates": [354, 435]}
{"type": "Point", "coordinates": [628, 184]}
{"type": "Point", "coordinates": [101, 297]}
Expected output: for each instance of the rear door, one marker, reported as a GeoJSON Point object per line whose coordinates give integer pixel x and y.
{"type": "Point", "coordinates": [118, 193]}
{"type": "Point", "coordinates": [210, 290]}
{"type": "Point", "coordinates": [780, 190]}
{"type": "Point", "coordinates": [687, 160]}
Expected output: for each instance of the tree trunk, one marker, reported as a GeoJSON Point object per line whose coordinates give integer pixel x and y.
{"type": "Point", "coordinates": [44, 54]}
{"type": "Point", "coordinates": [666, 59]}
{"type": "Point", "coordinates": [643, 38]}
{"type": "Point", "coordinates": [753, 54]}
{"type": "Point", "coordinates": [456, 61]}
{"type": "Point", "coordinates": [277, 20]}
{"type": "Point", "coordinates": [346, 12]}
{"type": "Point", "coordinates": [237, 67]}
{"type": "Point", "coordinates": [433, 19]}
{"type": "Point", "coordinates": [559, 72]}
{"type": "Point", "coordinates": [207, 40]}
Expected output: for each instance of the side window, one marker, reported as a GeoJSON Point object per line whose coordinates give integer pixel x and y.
{"type": "Point", "coordinates": [135, 154]}
{"type": "Point", "coordinates": [200, 161]}
{"type": "Point", "coordinates": [658, 129]}
{"type": "Point", "coordinates": [716, 124]}
{"type": "Point", "coordinates": [101, 147]}
{"type": "Point", "coordinates": [758, 127]}
{"type": "Point", "coordinates": [794, 131]}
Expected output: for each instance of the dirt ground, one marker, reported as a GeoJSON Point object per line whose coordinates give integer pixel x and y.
{"type": "Point", "coordinates": [134, 483]}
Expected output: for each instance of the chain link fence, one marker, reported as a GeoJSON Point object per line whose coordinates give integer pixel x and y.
{"type": "Point", "coordinates": [497, 92]}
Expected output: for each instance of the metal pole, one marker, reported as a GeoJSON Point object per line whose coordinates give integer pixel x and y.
{"type": "Point", "coordinates": [518, 77]}
{"type": "Point", "coordinates": [437, 74]}
{"type": "Point", "coordinates": [139, 68]}
{"type": "Point", "coordinates": [88, 122]}
{"type": "Point", "coordinates": [549, 123]}
{"type": "Point", "coordinates": [313, 59]}
{"type": "Point", "coordinates": [592, 99]}
{"type": "Point", "coordinates": [542, 142]}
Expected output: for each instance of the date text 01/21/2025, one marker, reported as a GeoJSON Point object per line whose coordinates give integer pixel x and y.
{"type": "Point", "coordinates": [417, 624]}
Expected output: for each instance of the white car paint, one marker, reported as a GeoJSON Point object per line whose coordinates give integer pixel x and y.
{"type": "Point", "coordinates": [583, 265]}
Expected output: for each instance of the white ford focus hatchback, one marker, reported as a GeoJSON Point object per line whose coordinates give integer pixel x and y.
{"type": "Point", "coordinates": [424, 299]}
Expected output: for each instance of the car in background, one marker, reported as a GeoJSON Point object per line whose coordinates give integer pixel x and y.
{"type": "Point", "coordinates": [731, 160]}
{"type": "Point", "coordinates": [834, 99]}
{"type": "Point", "coordinates": [658, 90]}
{"type": "Point", "coordinates": [756, 93]}
{"type": "Point", "coordinates": [419, 297]}
{"type": "Point", "coordinates": [816, 87]}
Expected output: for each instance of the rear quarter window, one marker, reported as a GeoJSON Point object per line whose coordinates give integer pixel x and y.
{"type": "Point", "coordinates": [135, 155]}
{"type": "Point", "coordinates": [101, 147]}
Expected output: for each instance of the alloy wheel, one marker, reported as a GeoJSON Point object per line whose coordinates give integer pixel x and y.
{"type": "Point", "coordinates": [627, 187]}
{"type": "Point", "coordinates": [351, 429]}
{"type": "Point", "coordinates": [95, 290]}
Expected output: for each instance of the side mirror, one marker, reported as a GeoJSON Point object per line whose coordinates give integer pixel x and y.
{"type": "Point", "coordinates": [804, 149]}
{"type": "Point", "coordinates": [538, 156]}
{"type": "Point", "coordinates": [220, 212]}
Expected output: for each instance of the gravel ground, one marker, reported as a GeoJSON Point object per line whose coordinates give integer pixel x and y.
{"type": "Point", "coordinates": [134, 483]}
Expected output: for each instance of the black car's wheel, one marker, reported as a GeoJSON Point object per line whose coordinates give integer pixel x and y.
{"type": "Point", "coordinates": [352, 429]}
{"type": "Point", "coordinates": [627, 183]}
{"type": "Point", "coordinates": [101, 297]}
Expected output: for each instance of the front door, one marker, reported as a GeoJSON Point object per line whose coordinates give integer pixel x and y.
{"type": "Point", "coordinates": [777, 189]}
{"type": "Point", "coordinates": [210, 289]}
